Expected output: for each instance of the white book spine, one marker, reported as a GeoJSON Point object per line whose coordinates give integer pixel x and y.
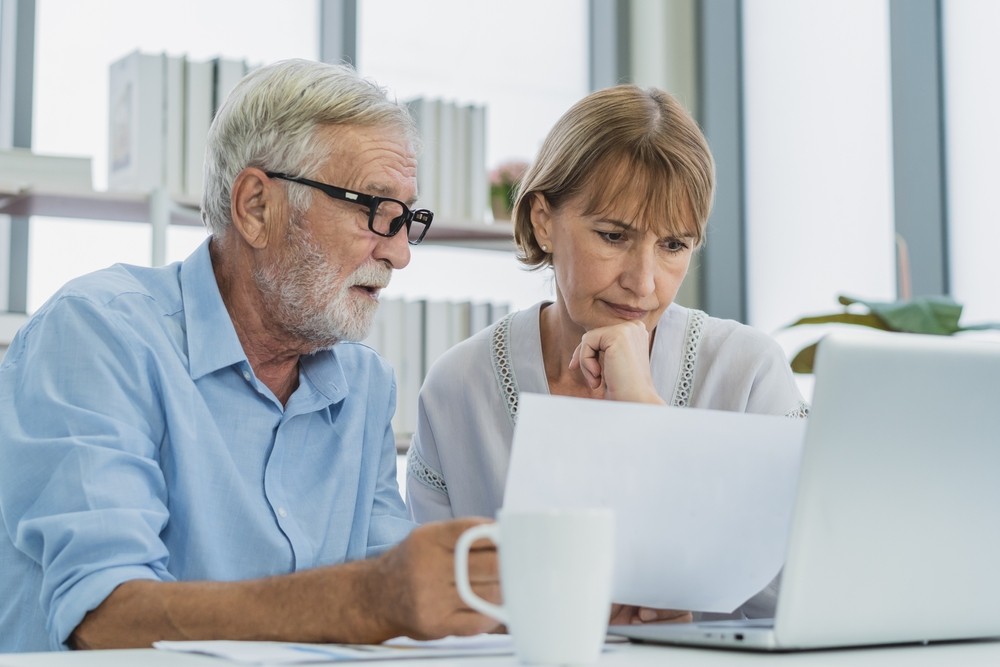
{"type": "Point", "coordinates": [446, 162]}
{"type": "Point", "coordinates": [479, 192]}
{"type": "Point", "coordinates": [21, 169]}
{"type": "Point", "coordinates": [199, 101]}
{"type": "Point", "coordinates": [498, 310]}
{"type": "Point", "coordinates": [228, 73]}
{"type": "Point", "coordinates": [426, 116]}
{"type": "Point", "coordinates": [173, 126]}
{"type": "Point", "coordinates": [479, 317]}
{"type": "Point", "coordinates": [461, 203]}
{"type": "Point", "coordinates": [437, 331]}
{"type": "Point", "coordinates": [459, 322]}
{"type": "Point", "coordinates": [390, 345]}
{"type": "Point", "coordinates": [136, 112]}
{"type": "Point", "coordinates": [411, 369]}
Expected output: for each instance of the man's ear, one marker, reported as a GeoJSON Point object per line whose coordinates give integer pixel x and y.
{"type": "Point", "coordinates": [541, 219]}
{"type": "Point", "coordinates": [253, 204]}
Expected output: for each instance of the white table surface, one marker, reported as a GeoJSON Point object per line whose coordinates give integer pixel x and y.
{"type": "Point", "coordinates": [965, 654]}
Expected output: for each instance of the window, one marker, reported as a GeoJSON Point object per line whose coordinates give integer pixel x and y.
{"type": "Point", "coordinates": [525, 60]}
{"type": "Point", "coordinates": [971, 70]}
{"type": "Point", "coordinates": [818, 156]}
{"type": "Point", "coordinates": [75, 44]}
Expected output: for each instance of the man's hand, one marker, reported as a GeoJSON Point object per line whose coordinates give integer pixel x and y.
{"type": "Point", "coordinates": [416, 583]}
{"type": "Point", "coordinates": [617, 357]}
{"type": "Point", "coordinates": [623, 614]}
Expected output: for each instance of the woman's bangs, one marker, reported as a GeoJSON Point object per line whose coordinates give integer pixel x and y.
{"type": "Point", "coordinates": [646, 198]}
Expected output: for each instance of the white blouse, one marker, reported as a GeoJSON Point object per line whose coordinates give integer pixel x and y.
{"type": "Point", "coordinates": [458, 458]}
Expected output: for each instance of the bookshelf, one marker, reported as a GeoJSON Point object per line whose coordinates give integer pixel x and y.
{"type": "Point", "coordinates": [432, 326]}
{"type": "Point", "coordinates": [161, 210]}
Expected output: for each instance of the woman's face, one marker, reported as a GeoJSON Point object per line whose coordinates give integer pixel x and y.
{"type": "Point", "coordinates": [610, 267]}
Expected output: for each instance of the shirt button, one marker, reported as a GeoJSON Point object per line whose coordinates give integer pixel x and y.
{"type": "Point", "coordinates": [282, 512]}
{"type": "Point", "coordinates": [246, 375]}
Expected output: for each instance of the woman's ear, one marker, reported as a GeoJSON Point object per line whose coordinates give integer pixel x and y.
{"type": "Point", "coordinates": [253, 205]}
{"type": "Point", "coordinates": [541, 219]}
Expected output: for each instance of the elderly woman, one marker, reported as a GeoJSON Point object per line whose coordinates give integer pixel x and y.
{"type": "Point", "coordinates": [616, 205]}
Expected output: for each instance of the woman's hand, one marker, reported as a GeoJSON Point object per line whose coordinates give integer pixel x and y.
{"type": "Point", "coordinates": [617, 358]}
{"type": "Point", "coordinates": [623, 614]}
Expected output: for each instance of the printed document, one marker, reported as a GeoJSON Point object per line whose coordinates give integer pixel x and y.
{"type": "Point", "coordinates": [703, 498]}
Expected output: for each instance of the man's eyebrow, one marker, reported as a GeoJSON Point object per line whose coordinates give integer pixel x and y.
{"type": "Point", "coordinates": [383, 191]}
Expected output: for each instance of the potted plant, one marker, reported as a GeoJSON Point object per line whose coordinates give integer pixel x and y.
{"type": "Point", "coordinates": [503, 180]}
{"type": "Point", "coordinates": [937, 315]}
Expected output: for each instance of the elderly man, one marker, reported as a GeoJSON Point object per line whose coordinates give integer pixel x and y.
{"type": "Point", "coordinates": [199, 451]}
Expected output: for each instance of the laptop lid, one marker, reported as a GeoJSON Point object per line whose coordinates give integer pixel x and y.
{"type": "Point", "coordinates": [894, 532]}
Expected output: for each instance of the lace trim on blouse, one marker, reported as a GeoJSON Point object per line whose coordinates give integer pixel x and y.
{"type": "Point", "coordinates": [689, 360]}
{"type": "Point", "coordinates": [504, 373]}
{"type": "Point", "coordinates": [503, 369]}
{"type": "Point", "coordinates": [423, 473]}
{"type": "Point", "coordinates": [801, 412]}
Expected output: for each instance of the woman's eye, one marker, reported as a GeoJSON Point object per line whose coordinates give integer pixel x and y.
{"type": "Point", "coordinates": [612, 237]}
{"type": "Point", "coordinates": [675, 245]}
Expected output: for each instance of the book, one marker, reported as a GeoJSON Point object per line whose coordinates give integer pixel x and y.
{"type": "Point", "coordinates": [410, 372]}
{"type": "Point", "coordinates": [136, 114]}
{"type": "Point", "coordinates": [479, 316]}
{"type": "Point", "coordinates": [425, 115]}
{"type": "Point", "coordinates": [461, 205]}
{"type": "Point", "coordinates": [498, 310]}
{"type": "Point", "coordinates": [478, 179]}
{"type": "Point", "coordinates": [199, 104]}
{"type": "Point", "coordinates": [446, 163]}
{"type": "Point", "coordinates": [459, 322]}
{"type": "Point", "coordinates": [21, 170]}
{"type": "Point", "coordinates": [173, 124]}
{"type": "Point", "coordinates": [437, 330]}
{"type": "Point", "coordinates": [228, 73]}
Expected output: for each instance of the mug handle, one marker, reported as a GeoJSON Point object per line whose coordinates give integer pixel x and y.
{"type": "Point", "coordinates": [490, 531]}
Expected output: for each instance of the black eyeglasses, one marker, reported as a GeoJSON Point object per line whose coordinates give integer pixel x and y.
{"type": "Point", "coordinates": [386, 216]}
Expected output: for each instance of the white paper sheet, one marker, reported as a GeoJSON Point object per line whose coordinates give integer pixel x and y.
{"type": "Point", "coordinates": [282, 653]}
{"type": "Point", "coordinates": [703, 498]}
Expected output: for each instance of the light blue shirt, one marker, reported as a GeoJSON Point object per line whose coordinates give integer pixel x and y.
{"type": "Point", "coordinates": [137, 443]}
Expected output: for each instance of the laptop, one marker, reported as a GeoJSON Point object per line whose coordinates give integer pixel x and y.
{"type": "Point", "coordinates": [895, 532]}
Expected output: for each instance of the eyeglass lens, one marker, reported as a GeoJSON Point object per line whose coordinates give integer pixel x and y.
{"type": "Point", "coordinates": [390, 215]}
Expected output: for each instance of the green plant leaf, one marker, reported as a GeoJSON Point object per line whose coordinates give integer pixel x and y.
{"type": "Point", "coordinates": [863, 319]}
{"type": "Point", "coordinates": [937, 315]}
{"type": "Point", "coordinates": [982, 326]}
{"type": "Point", "coordinates": [805, 359]}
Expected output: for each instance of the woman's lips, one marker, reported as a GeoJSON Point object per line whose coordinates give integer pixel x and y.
{"type": "Point", "coordinates": [627, 312]}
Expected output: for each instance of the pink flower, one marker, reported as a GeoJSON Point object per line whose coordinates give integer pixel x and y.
{"type": "Point", "coordinates": [507, 173]}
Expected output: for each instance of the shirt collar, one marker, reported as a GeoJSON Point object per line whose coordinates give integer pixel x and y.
{"type": "Point", "coordinates": [211, 338]}
{"type": "Point", "coordinates": [324, 375]}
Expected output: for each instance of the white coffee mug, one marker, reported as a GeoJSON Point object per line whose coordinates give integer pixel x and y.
{"type": "Point", "coordinates": [556, 568]}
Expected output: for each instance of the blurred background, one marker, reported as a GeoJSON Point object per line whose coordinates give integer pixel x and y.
{"type": "Point", "coordinates": [856, 140]}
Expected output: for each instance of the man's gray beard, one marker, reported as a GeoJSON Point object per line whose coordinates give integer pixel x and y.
{"type": "Point", "coordinates": [307, 296]}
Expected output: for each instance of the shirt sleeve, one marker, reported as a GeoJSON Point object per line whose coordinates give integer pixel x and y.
{"type": "Point", "coordinates": [744, 370]}
{"type": "Point", "coordinates": [390, 523]}
{"type": "Point", "coordinates": [426, 490]}
{"type": "Point", "coordinates": [81, 490]}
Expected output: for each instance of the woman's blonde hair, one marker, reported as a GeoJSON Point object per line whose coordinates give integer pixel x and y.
{"type": "Point", "coordinates": [621, 144]}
